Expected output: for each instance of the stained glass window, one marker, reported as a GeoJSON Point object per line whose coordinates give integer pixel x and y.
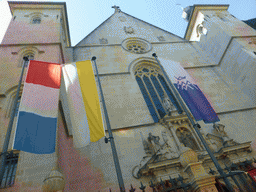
{"type": "Point", "coordinates": [153, 88]}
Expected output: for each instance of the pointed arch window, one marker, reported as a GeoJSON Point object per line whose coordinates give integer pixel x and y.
{"type": "Point", "coordinates": [153, 87]}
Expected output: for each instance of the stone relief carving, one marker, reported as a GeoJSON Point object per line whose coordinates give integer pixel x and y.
{"type": "Point", "coordinates": [122, 19]}
{"type": "Point", "coordinates": [226, 141]}
{"type": "Point", "coordinates": [103, 41]}
{"type": "Point", "coordinates": [128, 30]}
{"type": "Point", "coordinates": [155, 152]}
{"type": "Point", "coordinates": [220, 138]}
{"type": "Point", "coordinates": [201, 29]}
{"type": "Point", "coordinates": [186, 138]}
{"type": "Point", "coordinates": [161, 38]}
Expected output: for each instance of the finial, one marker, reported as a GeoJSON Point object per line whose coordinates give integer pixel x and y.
{"type": "Point", "coordinates": [117, 8]}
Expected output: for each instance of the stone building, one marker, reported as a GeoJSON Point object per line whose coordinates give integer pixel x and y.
{"type": "Point", "coordinates": [154, 142]}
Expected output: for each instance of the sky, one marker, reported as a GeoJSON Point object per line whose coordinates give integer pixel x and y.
{"type": "Point", "coordinates": [85, 15]}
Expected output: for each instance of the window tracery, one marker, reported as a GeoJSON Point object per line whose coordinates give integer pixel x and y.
{"type": "Point", "coordinates": [154, 88]}
{"type": "Point", "coordinates": [136, 45]}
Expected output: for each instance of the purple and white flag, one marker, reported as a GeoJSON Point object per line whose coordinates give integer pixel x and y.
{"type": "Point", "coordinates": [190, 92]}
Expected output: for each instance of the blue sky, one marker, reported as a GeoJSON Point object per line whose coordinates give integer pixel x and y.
{"type": "Point", "coordinates": [85, 15]}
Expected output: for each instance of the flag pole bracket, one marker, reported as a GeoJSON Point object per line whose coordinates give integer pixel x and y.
{"type": "Point", "coordinates": [108, 139]}
{"type": "Point", "coordinates": [197, 126]}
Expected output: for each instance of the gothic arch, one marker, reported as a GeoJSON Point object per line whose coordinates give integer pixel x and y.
{"type": "Point", "coordinates": [26, 51]}
{"type": "Point", "coordinates": [10, 97]}
{"type": "Point", "coordinates": [153, 86]}
{"type": "Point", "coordinates": [36, 15]}
{"type": "Point", "coordinates": [132, 66]}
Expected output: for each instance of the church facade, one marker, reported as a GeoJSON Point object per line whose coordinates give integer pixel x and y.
{"type": "Point", "coordinates": [154, 138]}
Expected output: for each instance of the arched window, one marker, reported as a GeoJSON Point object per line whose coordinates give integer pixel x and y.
{"type": "Point", "coordinates": [10, 103]}
{"type": "Point", "coordinates": [154, 87]}
{"type": "Point", "coordinates": [36, 20]}
{"type": "Point", "coordinates": [29, 55]}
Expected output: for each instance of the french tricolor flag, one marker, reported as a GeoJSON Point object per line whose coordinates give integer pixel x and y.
{"type": "Point", "coordinates": [37, 117]}
{"type": "Point", "coordinates": [192, 95]}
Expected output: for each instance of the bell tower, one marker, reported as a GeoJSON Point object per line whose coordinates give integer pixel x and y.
{"type": "Point", "coordinates": [226, 42]}
{"type": "Point", "coordinates": [37, 30]}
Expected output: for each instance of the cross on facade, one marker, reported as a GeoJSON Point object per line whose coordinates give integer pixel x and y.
{"type": "Point", "coordinates": [117, 9]}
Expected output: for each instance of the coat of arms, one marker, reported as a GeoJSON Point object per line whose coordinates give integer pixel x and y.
{"type": "Point", "coordinates": [129, 30]}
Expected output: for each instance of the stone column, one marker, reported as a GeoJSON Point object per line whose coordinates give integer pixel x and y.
{"type": "Point", "coordinates": [179, 145]}
{"type": "Point", "coordinates": [200, 180]}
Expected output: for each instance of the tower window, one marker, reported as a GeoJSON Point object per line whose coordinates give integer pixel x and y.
{"type": "Point", "coordinates": [36, 20]}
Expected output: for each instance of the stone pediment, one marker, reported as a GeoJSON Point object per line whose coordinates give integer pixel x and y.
{"type": "Point", "coordinates": [121, 26]}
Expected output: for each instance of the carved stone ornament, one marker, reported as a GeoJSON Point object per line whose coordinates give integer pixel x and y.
{"type": "Point", "coordinates": [201, 29]}
{"type": "Point", "coordinates": [155, 152]}
{"type": "Point", "coordinates": [128, 30]}
{"type": "Point", "coordinates": [103, 41]}
{"type": "Point", "coordinates": [122, 19]}
{"type": "Point", "coordinates": [221, 133]}
{"type": "Point", "coordinates": [161, 38]}
{"type": "Point", "coordinates": [168, 105]}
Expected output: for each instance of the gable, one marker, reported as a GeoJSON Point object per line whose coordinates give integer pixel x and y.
{"type": "Point", "coordinates": [120, 26]}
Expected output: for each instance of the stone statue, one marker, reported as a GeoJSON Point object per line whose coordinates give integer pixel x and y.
{"type": "Point", "coordinates": [168, 105]}
{"type": "Point", "coordinates": [226, 141]}
{"type": "Point", "coordinates": [168, 146]}
{"type": "Point", "coordinates": [155, 151]}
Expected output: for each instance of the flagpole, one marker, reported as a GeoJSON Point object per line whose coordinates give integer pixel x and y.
{"type": "Point", "coordinates": [111, 138]}
{"type": "Point", "coordinates": [196, 126]}
{"type": "Point", "coordinates": [9, 129]}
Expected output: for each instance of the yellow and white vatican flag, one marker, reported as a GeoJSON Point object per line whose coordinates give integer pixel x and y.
{"type": "Point", "coordinates": [83, 102]}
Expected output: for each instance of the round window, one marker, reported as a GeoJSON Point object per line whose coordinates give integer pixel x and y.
{"type": "Point", "coordinates": [136, 45]}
